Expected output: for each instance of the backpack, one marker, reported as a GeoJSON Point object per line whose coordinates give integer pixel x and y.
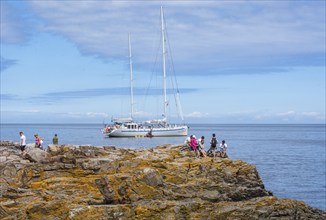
{"type": "Point", "coordinates": [214, 142]}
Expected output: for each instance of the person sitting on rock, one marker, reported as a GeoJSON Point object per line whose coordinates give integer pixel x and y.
{"type": "Point", "coordinates": [38, 141]}
{"type": "Point", "coordinates": [186, 145]}
{"type": "Point", "coordinates": [223, 148]}
{"type": "Point", "coordinates": [201, 147]}
{"type": "Point", "coordinates": [55, 139]}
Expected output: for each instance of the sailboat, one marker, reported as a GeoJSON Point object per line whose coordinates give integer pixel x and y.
{"type": "Point", "coordinates": [127, 127]}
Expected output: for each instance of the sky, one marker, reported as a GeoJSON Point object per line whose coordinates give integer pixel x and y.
{"type": "Point", "coordinates": [234, 61]}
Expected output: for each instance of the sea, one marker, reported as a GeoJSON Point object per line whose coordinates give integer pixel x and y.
{"type": "Point", "coordinates": [290, 158]}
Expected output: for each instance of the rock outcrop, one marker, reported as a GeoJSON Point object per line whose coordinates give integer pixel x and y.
{"type": "Point", "coordinates": [88, 182]}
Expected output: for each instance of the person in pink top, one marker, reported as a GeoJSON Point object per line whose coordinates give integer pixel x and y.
{"type": "Point", "coordinates": [193, 145]}
{"type": "Point", "coordinates": [37, 141]}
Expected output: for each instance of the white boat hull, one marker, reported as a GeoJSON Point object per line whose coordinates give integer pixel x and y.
{"type": "Point", "coordinates": [156, 132]}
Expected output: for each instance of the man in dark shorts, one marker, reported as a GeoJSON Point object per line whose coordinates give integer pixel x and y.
{"type": "Point", "coordinates": [214, 144]}
{"type": "Point", "coordinates": [22, 142]}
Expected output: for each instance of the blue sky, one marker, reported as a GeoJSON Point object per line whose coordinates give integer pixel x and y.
{"type": "Point", "coordinates": [235, 61]}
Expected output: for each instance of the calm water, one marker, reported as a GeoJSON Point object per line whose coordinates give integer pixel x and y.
{"type": "Point", "coordinates": [290, 158]}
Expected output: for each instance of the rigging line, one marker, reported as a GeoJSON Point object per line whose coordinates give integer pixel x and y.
{"type": "Point", "coordinates": [175, 91]}
{"type": "Point", "coordinates": [152, 74]}
{"type": "Point", "coordinates": [171, 57]}
{"type": "Point", "coordinates": [177, 94]}
{"type": "Point", "coordinates": [171, 64]}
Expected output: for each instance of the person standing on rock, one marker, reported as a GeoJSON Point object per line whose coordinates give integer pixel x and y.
{"type": "Point", "coordinates": [193, 145]}
{"type": "Point", "coordinates": [214, 144]}
{"type": "Point", "coordinates": [55, 139]}
{"type": "Point", "coordinates": [22, 142]}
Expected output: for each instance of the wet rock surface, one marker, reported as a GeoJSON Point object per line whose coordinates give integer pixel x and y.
{"type": "Point", "coordinates": [89, 182]}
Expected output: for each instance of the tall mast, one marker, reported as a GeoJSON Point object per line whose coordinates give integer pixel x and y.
{"type": "Point", "coordinates": [131, 80]}
{"type": "Point", "coordinates": [163, 59]}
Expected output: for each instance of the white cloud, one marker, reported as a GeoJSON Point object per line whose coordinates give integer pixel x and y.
{"type": "Point", "coordinates": [290, 116]}
{"type": "Point", "coordinates": [87, 115]}
{"type": "Point", "coordinates": [97, 114]}
{"type": "Point", "coordinates": [212, 29]}
{"type": "Point", "coordinates": [30, 111]}
{"type": "Point", "coordinates": [286, 114]}
{"type": "Point", "coordinates": [311, 114]}
{"type": "Point", "coordinates": [197, 115]}
{"type": "Point", "coordinates": [293, 115]}
{"type": "Point", "coordinates": [23, 112]}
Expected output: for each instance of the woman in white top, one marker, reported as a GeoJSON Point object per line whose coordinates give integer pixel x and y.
{"type": "Point", "coordinates": [201, 146]}
{"type": "Point", "coordinates": [223, 148]}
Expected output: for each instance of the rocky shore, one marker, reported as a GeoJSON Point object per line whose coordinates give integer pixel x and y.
{"type": "Point", "coordinates": [88, 182]}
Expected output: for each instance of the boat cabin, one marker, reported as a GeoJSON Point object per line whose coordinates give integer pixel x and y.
{"type": "Point", "coordinates": [131, 125]}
